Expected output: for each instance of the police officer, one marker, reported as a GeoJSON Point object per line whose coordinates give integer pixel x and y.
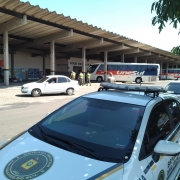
{"type": "Point", "coordinates": [81, 79]}
{"type": "Point", "coordinates": [88, 78]}
{"type": "Point", "coordinates": [111, 78]}
{"type": "Point", "coordinates": [73, 75]}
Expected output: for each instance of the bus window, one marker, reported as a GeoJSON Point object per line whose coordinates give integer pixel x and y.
{"type": "Point", "coordinates": [122, 67]}
{"type": "Point", "coordinates": [101, 67]}
{"type": "Point", "coordinates": [170, 71]}
{"type": "Point", "coordinates": [163, 70]}
{"type": "Point", "coordinates": [176, 71]}
{"type": "Point", "coordinates": [133, 68]}
{"type": "Point", "coordinates": [92, 68]}
{"type": "Point", "coordinates": [111, 67]}
{"type": "Point", "coordinates": [142, 68]}
{"type": "Point", "coordinates": [153, 68]}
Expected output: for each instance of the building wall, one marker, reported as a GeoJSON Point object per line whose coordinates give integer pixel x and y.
{"type": "Point", "coordinates": [23, 60]}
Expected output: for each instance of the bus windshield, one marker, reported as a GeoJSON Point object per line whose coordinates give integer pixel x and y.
{"type": "Point", "coordinates": [92, 68]}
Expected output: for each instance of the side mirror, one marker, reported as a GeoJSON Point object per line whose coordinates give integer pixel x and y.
{"type": "Point", "coordinates": [167, 148]}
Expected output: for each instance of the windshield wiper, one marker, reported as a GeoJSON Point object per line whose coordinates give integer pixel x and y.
{"type": "Point", "coordinates": [68, 145]}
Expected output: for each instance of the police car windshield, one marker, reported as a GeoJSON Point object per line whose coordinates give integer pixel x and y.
{"type": "Point", "coordinates": [173, 88]}
{"type": "Point", "coordinates": [108, 128]}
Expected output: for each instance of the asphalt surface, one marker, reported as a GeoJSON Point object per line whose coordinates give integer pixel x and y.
{"type": "Point", "coordinates": [18, 111]}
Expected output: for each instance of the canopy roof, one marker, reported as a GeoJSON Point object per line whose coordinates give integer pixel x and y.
{"type": "Point", "coordinates": [31, 29]}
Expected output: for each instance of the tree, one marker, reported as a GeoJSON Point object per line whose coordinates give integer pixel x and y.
{"type": "Point", "coordinates": [167, 11]}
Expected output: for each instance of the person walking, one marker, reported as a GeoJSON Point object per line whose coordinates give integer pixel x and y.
{"type": "Point", "coordinates": [73, 75]}
{"type": "Point", "coordinates": [88, 79]}
{"type": "Point", "coordinates": [111, 78]}
{"type": "Point", "coordinates": [81, 79]}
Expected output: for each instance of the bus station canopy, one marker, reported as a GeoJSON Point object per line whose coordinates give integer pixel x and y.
{"type": "Point", "coordinates": [31, 29]}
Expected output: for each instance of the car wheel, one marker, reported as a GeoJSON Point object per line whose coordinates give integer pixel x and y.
{"type": "Point", "coordinates": [36, 92]}
{"type": "Point", "coordinates": [70, 91]}
{"type": "Point", "coordinates": [138, 80]}
{"type": "Point", "coordinates": [99, 79]}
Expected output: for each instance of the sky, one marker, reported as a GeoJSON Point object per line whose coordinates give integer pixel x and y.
{"type": "Point", "coordinates": [129, 18]}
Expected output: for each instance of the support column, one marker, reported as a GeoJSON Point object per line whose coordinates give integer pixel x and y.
{"type": "Point", "coordinates": [122, 58]}
{"type": "Point", "coordinates": [52, 58]}
{"type": "Point", "coordinates": [43, 64]}
{"type": "Point", "coordinates": [84, 63]}
{"type": "Point", "coordinates": [105, 65]}
{"type": "Point", "coordinates": [154, 61]}
{"type": "Point", "coordinates": [135, 59]}
{"type": "Point", "coordinates": [12, 64]}
{"type": "Point", "coordinates": [6, 58]}
{"type": "Point", "coordinates": [167, 66]}
{"type": "Point", "coordinates": [160, 73]}
{"type": "Point", "coordinates": [145, 60]}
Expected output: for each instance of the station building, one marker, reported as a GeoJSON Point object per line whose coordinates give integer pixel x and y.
{"type": "Point", "coordinates": [35, 42]}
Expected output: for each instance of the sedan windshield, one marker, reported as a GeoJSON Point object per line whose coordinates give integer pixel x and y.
{"type": "Point", "coordinates": [42, 79]}
{"type": "Point", "coordinates": [107, 129]}
{"type": "Point", "coordinates": [173, 88]}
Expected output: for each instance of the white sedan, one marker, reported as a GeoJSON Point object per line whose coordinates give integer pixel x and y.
{"type": "Point", "coordinates": [51, 84]}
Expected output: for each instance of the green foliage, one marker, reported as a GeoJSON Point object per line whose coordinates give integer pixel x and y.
{"type": "Point", "coordinates": [167, 11]}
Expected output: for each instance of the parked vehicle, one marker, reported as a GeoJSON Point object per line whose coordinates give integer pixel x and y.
{"type": "Point", "coordinates": [134, 72]}
{"type": "Point", "coordinates": [51, 84]}
{"type": "Point", "coordinates": [173, 87]}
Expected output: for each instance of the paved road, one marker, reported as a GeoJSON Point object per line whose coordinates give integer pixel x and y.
{"type": "Point", "coordinates": [18, 111]}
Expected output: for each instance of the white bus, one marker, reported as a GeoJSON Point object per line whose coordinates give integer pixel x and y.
{"type": "Point", "coordinates": [123, 72]}
{"type": "Point", "coordinates": [170, 73]}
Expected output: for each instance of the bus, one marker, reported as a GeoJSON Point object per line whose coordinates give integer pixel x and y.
{"type": "Point", "coordinates": [170, 73]}
{"type": "Point", "coordinates": [123, 72]}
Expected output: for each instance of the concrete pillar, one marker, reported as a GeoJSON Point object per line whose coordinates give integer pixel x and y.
{"type": "Point", "coordinates": [105, 65]}
{"type": "Point", "coordinates": [135, 59]}
{"type": "Point", "coordinates": [154, 61]}
{"type": "Point", "coordinates": [167, 66]}
{"type": "Point", "coordinates": [122, 58]}
{"type": "Point", "coordinates": [12, 63]}
{"type": "Point", "coordinates": [161, 66]}
{"type": "Point", "coordinates": [84, 63]}
{"type": "Point", "coordinates": [52, 58]}
{"type": "Point", "coordinates": [145, 60]}
{"type": "Point", "coordinates": [6, 58]}
{"type": "Point", "coordinates": [43, 64]}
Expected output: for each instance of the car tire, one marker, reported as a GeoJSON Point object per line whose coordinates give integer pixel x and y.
{"type": "Point", "coordinates": [70, 91]}
{"type": "Point", "coordinates": [36, 92]}
{"type": "Point", "coordinates": [138, 80]}
{"type": "Point", "coordinates": [99, 79]}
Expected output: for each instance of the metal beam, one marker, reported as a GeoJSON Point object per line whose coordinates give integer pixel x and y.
{"type": "Point", "coordinates": [18, 37]}
{"type": "Point", "coordinates": [45, 39]}
{"type": "Point", "coordinates": [13, 23]}
{"type": "Point", "coordinates": [154, 56]}
{"type": "Point", "coordinates": [127, 51]}
{"type": "Point", "coordinates": [106, 48]}
{"type": "Point", "coordinates": [139, 54]}
{"type": "Point", "coordinates": [81, 44]}
{"type": "Point", "coordinates": [157, 59]}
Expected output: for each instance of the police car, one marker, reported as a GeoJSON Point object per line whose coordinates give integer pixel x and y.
{"type": "Point", "coordinates": [119, 132]}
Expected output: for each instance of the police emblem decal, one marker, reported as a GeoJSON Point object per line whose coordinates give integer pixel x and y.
{"type": "Point", "coordinates": [28, 165]}
{"type": "Point", "coordinates": [161, 175]}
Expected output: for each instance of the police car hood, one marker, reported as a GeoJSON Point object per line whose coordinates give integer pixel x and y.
{"type": "Point", "coordinates": [27, 158]}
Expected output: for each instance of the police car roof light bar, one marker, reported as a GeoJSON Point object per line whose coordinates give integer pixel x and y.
{"type": "Point", "coordinates": [146, 89]}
